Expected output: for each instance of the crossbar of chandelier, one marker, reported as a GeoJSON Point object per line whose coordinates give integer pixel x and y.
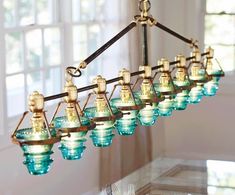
{"type": "Point", "coordinates": [190, 83]}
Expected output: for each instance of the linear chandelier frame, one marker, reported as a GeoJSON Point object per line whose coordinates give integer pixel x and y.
{"type": "Point", "coordinates": [154, 99]}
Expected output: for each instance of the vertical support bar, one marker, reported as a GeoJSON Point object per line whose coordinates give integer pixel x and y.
{"type": "Point", "coordinates": [145, 44]}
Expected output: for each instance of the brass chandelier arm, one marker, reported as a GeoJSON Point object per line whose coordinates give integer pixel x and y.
{"type": "Point", "coordinates": [21, 120]}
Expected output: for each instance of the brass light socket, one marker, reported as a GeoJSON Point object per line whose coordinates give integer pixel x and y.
{"type": "Point", "coordinates": [146, 89]}
{"type": "Point", "coordinates": [125, 94]}
{"type": "Point", "coordinates": [100, 103]}
{"type": "Point", "coordinates": [126, 75]}
{"type": "Point", "coordinates": [195, 70]}
{"type": "Point", "coordinates": [101, 82]}
{"type": "Point", "coordinates": [181, 74]}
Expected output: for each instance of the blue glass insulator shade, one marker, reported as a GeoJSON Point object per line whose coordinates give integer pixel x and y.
{"type": "Point", "coordinates": [166, 106]}
{"type": "Point", "coordinates": [127, 124]}
{"type": "Point", "coordinates": [196, 94]}
{"type": "Point", "coordinates": [148, 115]}
{"type": "Point", "coordinates": [102, 135]}
{"type": "Point", "coordinates": [211, 88]}
{"type": "Point", "coordinates": [37, 157]}
{"type": "Point", "coordinates": [181, 99]}
{"type": "Point", "coordinates": [72, 147]}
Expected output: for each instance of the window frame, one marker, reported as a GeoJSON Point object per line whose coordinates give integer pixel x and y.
{"type": "Point", "coordinates": [66, 23]}
{"type": "Point", "coordinates": [228, 81]}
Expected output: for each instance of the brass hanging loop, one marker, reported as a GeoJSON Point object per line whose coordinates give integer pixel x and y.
{"type": "Point", "coordinates": [74, 72]}
{"type": "Point", "coordinates": [144, 7]}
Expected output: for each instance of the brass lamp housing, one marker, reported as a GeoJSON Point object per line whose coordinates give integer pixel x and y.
{"type": "Point", "coordinates": [38, 122]}
{"type": "Point", "coordinates": [101, 101]}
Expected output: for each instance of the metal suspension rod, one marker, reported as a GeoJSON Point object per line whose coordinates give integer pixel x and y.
{"type": "Point", "coordinates": [175, 34]}
{"type": "Point", "coordinates": [107, 45]}
{"type": "Point", "coordinates": [145, 44]}
{"type": "Point", "coordinates": [87, 88]}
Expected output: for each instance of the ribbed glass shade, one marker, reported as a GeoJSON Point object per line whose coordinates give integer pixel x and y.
{"type": "Point", "coordinates": [211, 88]}
{"type": "Point", "coordinates": [166, 106]}
{"type": "Point", "coordinates": [196, 94]}
{"type": "Point", "coordinates": [72, 147]}
{"type": "Point", "coordinates": [181, 99]}
{"type": "Point", "coordinates": [37, 157]}
{"type": "Point", "coordinates": [127, 124]}
{"type": "Point", "coordinates": [149, 114]}
{"type": "Point", "coordinates": [102, 135]}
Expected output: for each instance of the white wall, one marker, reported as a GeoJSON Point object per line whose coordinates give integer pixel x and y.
{"type": "Point", "coordinates": [65, 177]}
{"type": "Point", "coordinates": [204, 131]}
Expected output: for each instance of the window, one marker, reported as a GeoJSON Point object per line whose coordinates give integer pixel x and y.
{"type": "Point", "coordinates": [220, 31]}
{"type": "Point", "coordinates": [41, 37]}
{"type": "Point", "coordinates": [32, 37]}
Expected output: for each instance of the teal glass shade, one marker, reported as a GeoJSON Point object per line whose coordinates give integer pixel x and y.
{"type": "Point", "coordinates": [211, 87]}
{"type": "Point", "coordinates": [166, 106]}
{"type": "Point", "coordinates": [72, 147]}
{"type": "Point", "coordinates": [102, 135]}
{"type": "Point", "coordinates": [181, 99]}
{"type": "Point", "coordinates": [196, 94]}
{"type": "Point", "coordinates": [127, 124]}
{"type": "Point", "coordinates": [149, 114]}
{"type": "Point", "coordinates": [37, 157]}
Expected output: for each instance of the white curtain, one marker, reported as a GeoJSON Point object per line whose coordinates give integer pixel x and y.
{"type": "Point", "coordinates": [126, 154]}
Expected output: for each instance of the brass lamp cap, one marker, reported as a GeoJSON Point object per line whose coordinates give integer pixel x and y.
{"type": "Point", "coordinates": [210, 52]}
{"type": "Point", "coordinates": [101, 82]}
{"type": "Point", "coordinates": [196, 54]}
{"type": "Point", "coordinates": [71, 89]}
{"type": "Point", "coordinates": [36, 102]}
{"type": "Point", "coordinates": [165, 63]}
{"type": "Point", "coordinates": [182, 61]}
{"type": "Point", "coordinates": [148, 71]}
{"type": "Point", "coordinates": [126, 75]}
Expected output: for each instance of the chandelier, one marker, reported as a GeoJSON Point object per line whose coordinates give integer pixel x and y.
{"type": "Point", "coordinates": [157, 91]}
